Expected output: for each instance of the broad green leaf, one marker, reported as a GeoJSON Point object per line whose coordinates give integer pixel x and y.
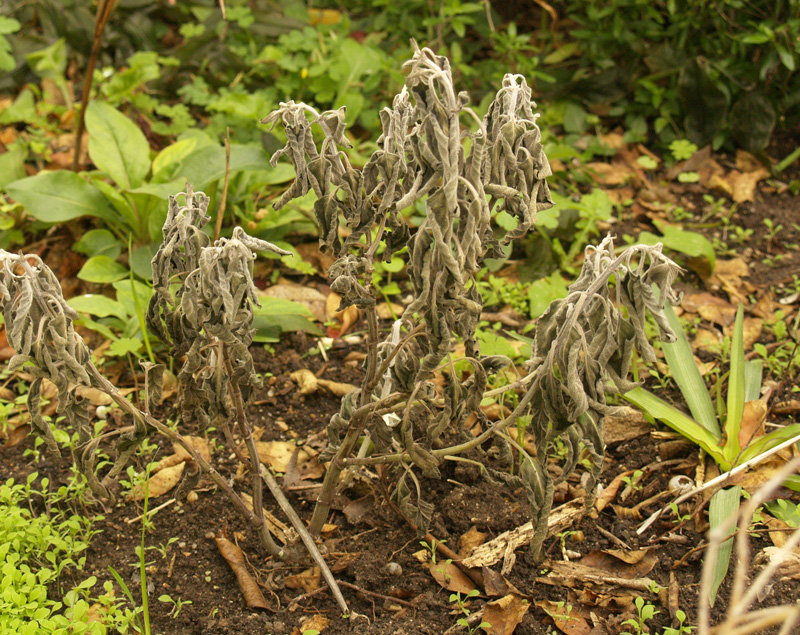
{"type": "Point", "coordinates": [51, 61]}
{"type": "Point", "coordinates": [141, 259]}
{"type": "Point", "coordinates": [733, 422]}
{"type": "Point", "coordinates": [689, 243]}
{"type": "Point", "coordinates": [125, 295]}
{"type": "Point", "coordinates": [680, 360]}
{"type": "Point", "coordinates": [276, 315]}
{"type": "Point", "coordinates": [97, 242]}
{"type": "Point", "coordinates": [12, 165]}
{"type": "Point", "coordinates": [125, 345]}
{"type": "Point", "coordinates": [162, 190]}
{"type": "Point", "coordinates": [678, 421]}
{"type": "Point", "coordinates": [23, 109]}
{"type": "Point", "coordinates": [723, 505]}
{"type": "Point", "coordinates": [98, 305]}
{"type": "Point", "coordinates": [126, 216]}
{"type": "Point", "coordinates": [207, 165]}
{"type": "Point", "coordinates": [117, 146]}
{"type": "Point", "coordinates": [544, 291]}
{"type": "Point", "coordinates": [170, 158]}
{"type": "Point", "coordinates": [55, 197]}
{"type": "Point", "coordinates": [102, 270]}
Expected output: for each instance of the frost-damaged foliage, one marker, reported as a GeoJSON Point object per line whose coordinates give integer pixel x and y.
{"type": "Point", "coordinates": [421, 157]}
{"type": "Point", "coordinates": [202, 307]}
{"type": "Point", "coordinates": [39, 328]}
{"type": "Point", "coordinates": [582, 341]}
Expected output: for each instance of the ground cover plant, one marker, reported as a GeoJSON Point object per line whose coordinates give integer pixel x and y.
{"type": "Point", "coordinates": [428, 224]}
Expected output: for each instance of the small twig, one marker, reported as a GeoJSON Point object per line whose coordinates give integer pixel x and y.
{"type": "Point", "coordinates": [617, 541]}
{"type": "Point", "coordinates": [305, 536]}
{"type": "Point", "coordinates": [717, 481]}
{"type": "Point", "coordinates": [171, 565]}
{"type": "Point", "coordinates": [104, 10]}
{"type": "Point", "coordinates": [380, 596]}
{"type": "Point", "coordinates": [150, 513]}
{"type": "Point", "coordinates": [224, 199]}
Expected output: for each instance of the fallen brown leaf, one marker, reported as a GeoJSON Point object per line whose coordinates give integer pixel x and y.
{"type": "Point", "coordinates": [609, 493]}
{"type": "Point", "coordinates": [450, 577]}
{"type": "Point", "coordinates": [625, 564]}
{"type": "Point", "coordinates": [276, 526]}
{"type": "Point", "coordinates": [199, 444]}
{"type": "Point", "coordinates": [743, 185]}
{"type": "Point", "coordinates": [390, 311]}
{"type": "Point", "coordinates": [623, 425]}
{"type": "Point", "coordinates": [314, 623]}
{"type": "Point", "coordinates": [753, 418]}
{"type": "Point", "coordinates": [505, 614]}
{"type": "Point", "coordinates": [160, 483]}
{"type": "Point", "coordinates": [344, 319]}
{"type": "Point", "coordinates": [305, 581]}
{"type": "Point", "coordinates": [235, 558]}
{"type": "Point", "coordinates": [566, 619]}
{"type": "Point", "coordinates": [469, 540]}
{"type": "Point", "coordinates": [277, 454]}
{"type": "Point", "coordinates": [17, 434]}
{"type": "Point", "coordinates": [710, 307]}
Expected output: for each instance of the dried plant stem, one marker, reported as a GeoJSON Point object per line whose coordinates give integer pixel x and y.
{"type": "Point", "coordinates": [305, 536]}
{"type": "Point", "coordinates": [255, 463]}
{"type": "Point", "coordinates": [261, 528]}
{"type": "Point", "coordinates": [224, 198]}
{"type": "Point", "coordinates": [104, 9]}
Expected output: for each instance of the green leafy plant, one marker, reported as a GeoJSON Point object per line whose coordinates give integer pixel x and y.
{"type": "Point", "coordinates": [716, 430]}
{"type": "Point", "coordinates": [645, 612]}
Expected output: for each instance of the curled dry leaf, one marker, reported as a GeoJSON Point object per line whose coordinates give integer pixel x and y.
{"type": "Point", "coordinates": [160, 483]}
{"type": "Point", "coordinates": [338, 388]}
{"type": "Point", "coordinates": [276, 527]}
{"type": "Point", "coordinates": [305, 380]}
{"type": "Point", "coordinates": [306, 581]}
{"type": "Point", "coordinates": [390, 311]}
{"type": "Point", "coordinates": [566, 619]}
{"type": "Point", "coordinates": [753, 418]}
{"type": "Point", "coordinates": [624, 564]}
{"type": "Point", "coordinates": [609, 493]}
{"type": "Point", "coordinates": [235, 558]}
{"type": "Point", "coordinates": [624, 424]}
{"type": "Point", "coordinates": [505, 614]}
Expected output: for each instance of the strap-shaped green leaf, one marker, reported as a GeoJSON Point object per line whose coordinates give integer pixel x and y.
{"type": "Point", "coordinates": [724, 504]}
{"type": "Point", "coordinates": [678, 421]}
{"type": "Point", "coordinates": [733, 422]}
{"type": "Point", "coordinates": [680, 360]}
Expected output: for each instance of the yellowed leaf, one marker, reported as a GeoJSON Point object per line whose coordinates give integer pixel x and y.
{"type": "Point", "coordinates": [94, 396]}
{"type": "Point", "coordinates": [344, 319]}
{"type": "Point", "coordinates": [707, 340]}
{"type": "Point", "coordinates": [753, 418]}
{"type": "Point", "coordinates": [338, 388]}
{"type": "Point", "coordinates": [160, 483]}
{"type": "Point", "coordinates": [389, 311]}
{"type": "Point", "coordinates": [468, 541]}
{"type": "Point", "coordinates": [309, 297]}
{"type": "Point", "coordinates": [710, 307]}
{"type": "Point", "coordinates": [277, 454]}
{"type": "Point", "coordinates": [505, 614]}
{"type": "Point", "coordinates": [305, 379]}
{"type": "Point", "coordinates": [199, 444]}
{"type": "Point", "coordinates": [615, 173]}
{"type": "Point", "coordinates": [314, 623]}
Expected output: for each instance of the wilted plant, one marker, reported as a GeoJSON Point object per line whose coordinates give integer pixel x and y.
{"type": "Point", "coordinates": [581, 341]}
{"type": "Point", "coordinates": [203, 308]}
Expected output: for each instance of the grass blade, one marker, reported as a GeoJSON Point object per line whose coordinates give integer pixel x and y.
{"type": "Point", "coordinates": [678, 421]}
{"type": "Point", "coordinates": [752, 379]}
{"type": "Point", "coordinates": [733, 421]}
{"type": "Point", "coordinates": [680, 360]}
{"type": "Point", "coordinates": [769, 441]}
{"type": "Point", "coordinates": [723, 504]}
